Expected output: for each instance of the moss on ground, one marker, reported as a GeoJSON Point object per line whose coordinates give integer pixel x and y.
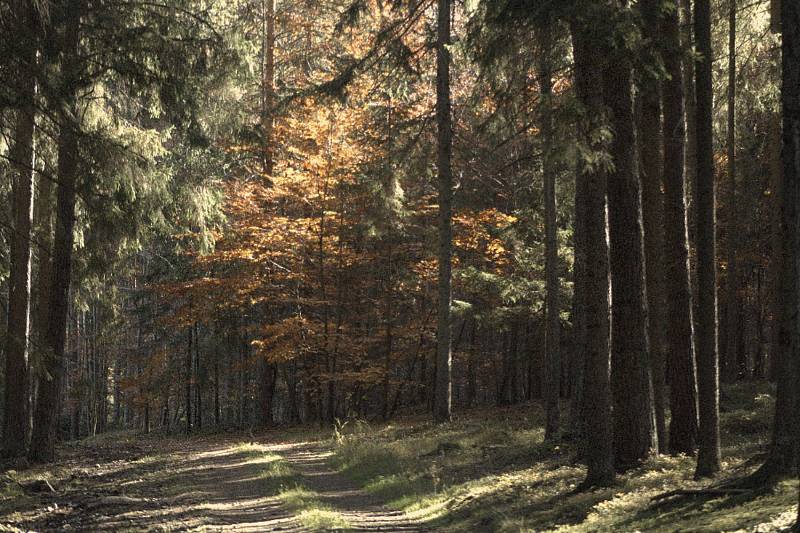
{"type": "Point", "coordinates": [490, 470]}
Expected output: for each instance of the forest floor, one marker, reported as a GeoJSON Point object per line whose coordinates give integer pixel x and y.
{"type": "Point", "coordinates": [489, 470]}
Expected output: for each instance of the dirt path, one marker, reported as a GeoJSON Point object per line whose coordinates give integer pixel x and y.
{"type": "Point", "coordinates": [197, 485]}
{"type": "Point", "coordinates": [361, 510]}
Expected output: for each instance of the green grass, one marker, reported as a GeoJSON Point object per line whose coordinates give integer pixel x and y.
{"type": "Point", "coordinates": [489, 470]}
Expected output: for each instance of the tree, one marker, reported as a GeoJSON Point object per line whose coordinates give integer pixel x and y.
{"type": "Point", "coordinates": [550, 172]}
{"type": "Point", "coordinates": [443, 392]}
{"type": "Point", "coordinates": [43, 438]}
{"type": "Point", "coordinates": [597, 388]}
{"type": "Point", "coordinates": [16, 411]}
{"type": "Point", "coordinates": [652, 169]}
{"type": "Point", "coordinates": [731, 369]}
{"type": "Point", "coordinates": [705, 196]}
{"type": "Point", "coordinates": [634, 418]}
{"type": "Point", "coordinates": [682, 379]}
{"type": "Point", "coordinates": [790, 108]}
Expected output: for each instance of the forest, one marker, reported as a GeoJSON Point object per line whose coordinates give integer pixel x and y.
{"type": "Point", "coordinates": [400, 265]}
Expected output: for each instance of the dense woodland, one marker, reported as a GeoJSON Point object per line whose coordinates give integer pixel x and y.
{"type": "Point", "coordinates": [244, 214]}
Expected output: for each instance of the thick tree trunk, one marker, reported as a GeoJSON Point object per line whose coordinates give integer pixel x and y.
{"type": "Point", "coordinates": [782, 457]}
{"type": "Point", "coordinates": [443, 389]}
{"type": "Point", "coordinates": [597, 390]}
{"type": "Point", "coordinates": [682, 378]}
{"type": "Point", "coordinates": [707, 358]}
{"type": "Point", "coordinates": [552, 389]}
{"type": "Point", "coordinates": [16, 412]}
{"type": "Point", "coordinates": [634, 418]}
{"type": "Point", "coordinates": [48, 405]}
{"type": "Point", "coordinates": [652, 168]}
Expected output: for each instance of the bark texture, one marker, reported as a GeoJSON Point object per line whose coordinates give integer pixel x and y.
{"type": "Point", "coordinates": [16, 411]}
{"type": "Point", "coordinates": [705, 196]}
{"type": "Point", "coordinates": [652, 168]}
{"type": "Point", "coordinates": [443, 389]}
{"type": "Point", "coordinates": [634, 418]}
{"type": "Point", "coordinates": [597, 389]}
{"type": "Point", "coordinates": [682, 375]}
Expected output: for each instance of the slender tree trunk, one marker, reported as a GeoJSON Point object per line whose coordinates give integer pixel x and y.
{"type": "Point", "coordinates": [267, 85]}
{"type": "Point", "coordinates": [690, 153]}
{"type": "Point", "coordinates": [198, 376]}
{"type": "Point", "coordinates": [217, 414]}
{"type": "Point", "coordinates": [776, 246]}
{"type": "Point", "coordinates": [268, 378]}
{"type": "Point", "coordinates": [597, 389]}
{"type": "Point", "coordinates": [552, 389]}
{"type": "Point", "coordinates": [732, 303]}
{"type": "Point", "coordinates": [634, 417]}
{"type": "Point", "coordinates": [682, 378]}
{"type": "Point", "coordinates": [707, 359]}
{"type": "Point", "coordinates": [48, 405]}
{"type": "Point", "coordinates": [189, 379]}
{"type": "Point", "coordinates": [443, 389]}
{"type": "Point", "coordinates": [387, 362]}
{"type": "Point", "coordinates": [650, 141]}
{"type": "Point", "coordinates": [578, 364]}
{"type": "Point", "coordinates": [16, 412]}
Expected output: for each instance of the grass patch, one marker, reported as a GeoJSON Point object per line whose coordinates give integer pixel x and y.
{"type": "Point", "coordinates": [489, 470]}
{"type": "Point", "coordinates": [279, 479]}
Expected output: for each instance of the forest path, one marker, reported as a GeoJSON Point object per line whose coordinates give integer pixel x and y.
{"type": "Point", "coordinates": [202, 484]}
{"type": "Point", "coordinates": [360, 510]}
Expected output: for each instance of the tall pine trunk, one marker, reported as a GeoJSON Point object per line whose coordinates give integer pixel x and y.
{"type": "Point", "coordinates": [48, 404]}
{"type": "Point", "coordinates": [267, 86]}
{"type": "Point", "coordinates": [443, 388]}
{"type": "Point", "coordinates": [16, 412]}
{"type": "Point", "coordinates": [730, 368]}
{"type": "Point", "coordinates": [634, 418]}
{"type": "Point", "coordinates": [705, 196]}
{"type": "Point", "coordinates": [782, 456]}
{"type": "Point", "coordinates": [552, 389]}
{"type": "Point", "coordinates": [682, 377]}
{"type": "Point", "coordinates": [652, 168]}
{"type": "Point", "coordinates": [597, 388]}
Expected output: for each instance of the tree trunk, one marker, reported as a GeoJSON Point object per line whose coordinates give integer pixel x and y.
{"type": "Point", "coordinates": [217, 414]}
{"type": "Point", "coordinates": [578, 358]}
{"type": "Point", "coordinates": [776, 246]}
{"type": "Point", "coordinates": [682, 378]}
{"type": "Point", "coordinates": [268, 378]}
{"type": "Point", "coordinates": [707, 360]}
{"type": "Point", "coordinates": [189, 378]}
{"type": "Point", "coordinates": [16, 412]}
{"type": "Point", "coordinates": [597, 391]}
{"type": "Point", "coordinates": [443, 388]}
{"type": "Point", "coordinates": [690, 154]}
{"type": "Point", "coordinates": [48, 405]}
{"type": "Point", "coordinates": [634, 418]}
{"type": "Point", "coordinates": [267, 86]}
{"type": "Point", "coordinates": [650, 141]}
{"type": "Point", "coordinates": [732, 303]}
{"type": "Point", "coordinates": [552, 389]}
{"type": "Point", "coordinates": [782, 457]}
